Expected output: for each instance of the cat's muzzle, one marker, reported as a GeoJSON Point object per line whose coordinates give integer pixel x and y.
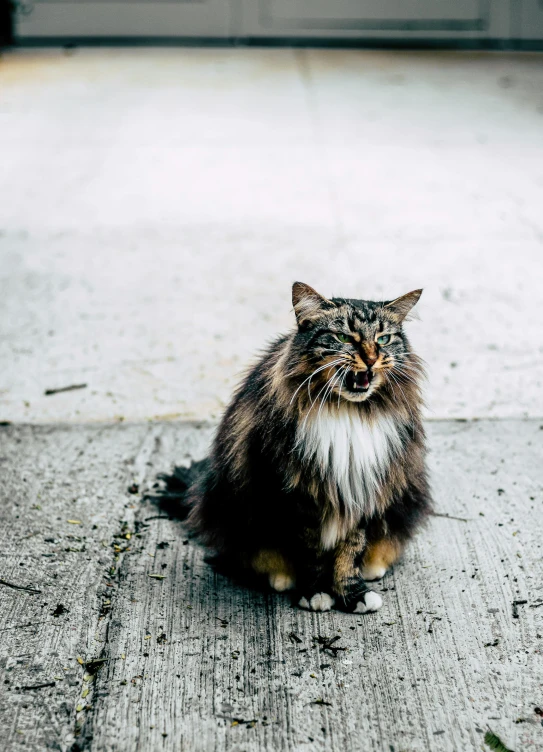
{"type": "Point", "coordinates": [358, 381]}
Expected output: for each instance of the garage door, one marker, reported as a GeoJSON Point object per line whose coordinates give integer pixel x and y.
{"type": "Point", "coordinates": [375, 18]}
{"type": "Point", "coordinates": [124, 18]}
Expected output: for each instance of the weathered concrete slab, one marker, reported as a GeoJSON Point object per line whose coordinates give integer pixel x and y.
{"type": "Point", "coordinates": [171, 197]}
{"type": "Point", "coordinates": [196, 662]}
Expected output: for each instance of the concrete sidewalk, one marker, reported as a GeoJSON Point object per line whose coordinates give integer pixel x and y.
{"type": "Point", "coordinates": [158, 204]}
{"type": "Point", "coordinates": [189, 660]}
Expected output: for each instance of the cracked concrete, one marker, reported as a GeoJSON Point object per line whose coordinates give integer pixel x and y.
{"type": "Point", "coordinates": [192, 660]}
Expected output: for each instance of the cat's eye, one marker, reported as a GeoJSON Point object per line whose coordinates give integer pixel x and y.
{"type": "Point", "coordinates": [343, 337]}
{"type": "Point", "coordinates": [384, 339]}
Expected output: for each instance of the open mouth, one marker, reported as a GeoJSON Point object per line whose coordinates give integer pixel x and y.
{"type": "Point", "coordinates": [358, 381]}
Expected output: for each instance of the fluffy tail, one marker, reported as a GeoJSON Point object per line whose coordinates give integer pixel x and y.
{"type": "Point", "coordinates": [170, 492]}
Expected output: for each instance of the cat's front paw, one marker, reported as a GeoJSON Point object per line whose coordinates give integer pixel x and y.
{"type": "Point", "coordinates": [317, 602]}
{"type": "Point", "coordinates": [361, 603]}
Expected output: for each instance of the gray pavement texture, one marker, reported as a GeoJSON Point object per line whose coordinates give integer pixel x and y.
{"type": "Point", "coordinates": [195, 662]}
{"type": "Point", "coordinates": [156, 207]}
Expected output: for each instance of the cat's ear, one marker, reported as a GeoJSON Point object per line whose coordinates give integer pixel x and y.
{"type": "Point", "coordinates": [307, 302]}
{"type": "Point", "coordinates": [400, 307]}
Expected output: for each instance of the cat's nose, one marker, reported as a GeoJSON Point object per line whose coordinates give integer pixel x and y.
{"type": "Point", "coordinates": [369, 355]}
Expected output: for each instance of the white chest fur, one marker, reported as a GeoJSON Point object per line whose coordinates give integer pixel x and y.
{"type": "Point", "coordinates": [351, 452]}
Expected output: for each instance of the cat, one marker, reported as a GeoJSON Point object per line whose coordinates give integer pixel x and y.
{"type": "Point", "coordinates": [316, 478]}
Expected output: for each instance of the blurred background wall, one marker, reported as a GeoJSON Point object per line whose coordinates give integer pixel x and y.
{"type": "Point", "coordinates": [464, 22]}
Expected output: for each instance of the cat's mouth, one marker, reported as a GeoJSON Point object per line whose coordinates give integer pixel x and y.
{"type": "Point", "coordinates": [358, 381]}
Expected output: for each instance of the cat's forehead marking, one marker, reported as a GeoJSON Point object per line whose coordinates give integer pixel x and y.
{"type": "Point", "coordinates": [364, 320]}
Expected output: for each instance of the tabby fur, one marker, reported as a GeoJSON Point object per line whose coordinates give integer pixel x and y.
{"type": "Point", "coordinates": [316, 478]}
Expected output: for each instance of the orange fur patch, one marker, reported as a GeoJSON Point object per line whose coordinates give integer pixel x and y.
{"type": "Point", "coordinates": [382, 553]}
{"type": "Point", "coordinates": [271, 562]}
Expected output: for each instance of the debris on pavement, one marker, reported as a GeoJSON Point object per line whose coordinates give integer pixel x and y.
{"type": "Point", "coordinates": [70, 388]}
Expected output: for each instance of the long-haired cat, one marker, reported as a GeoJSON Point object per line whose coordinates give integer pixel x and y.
{"type": "Point", "coordinates": [316, 478]}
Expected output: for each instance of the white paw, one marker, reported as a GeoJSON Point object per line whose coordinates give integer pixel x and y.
{"type": "Point", "coordinates": [372, 602]}
{"type": "Point", "coordinates": [281, 582]}
{"type": "Point", "coordinates": [318, 602]}
{"type": "Point", "coordinates": [373, 572]}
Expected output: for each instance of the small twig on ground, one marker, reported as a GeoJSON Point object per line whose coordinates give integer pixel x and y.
{"type": "Point", "coordinates": [24, 626]}
{"type": "Point", "coordinates": [19, 587]}
{"type": "Point", "coordinates": [39, 686]}
{"type": "Point", "coordinates": [431, 624]}
{"type": "Point", "coordinates": [70, 388]}
{"type": "Point", "coordinates": [157, 517]}
{"type": "Point", "coordinates": [327, 644]}
{"type": "Point", "coordinates": [515, 607]}
{"type": "Point", "coordinates": [449, 516]}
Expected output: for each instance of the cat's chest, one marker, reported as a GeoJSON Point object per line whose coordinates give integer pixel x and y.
{"type": "Point", "coordinates": [350, 452]}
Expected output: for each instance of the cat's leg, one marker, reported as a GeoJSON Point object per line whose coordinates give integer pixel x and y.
{"type": "Point", "coordinates": [276, 567]}
{"type": "Point", "coordinates": [333, 579]}
{"type": "Point", "coordinates": [388, 536]}
{"type": "Point", "coordinates": [352, 593]}
{"type": "Point", "coordinates": [315, 574]}
{"type": "Point", "coordinates": [317, 594]}
{"type": "Point", "coordinates": [379, 556]}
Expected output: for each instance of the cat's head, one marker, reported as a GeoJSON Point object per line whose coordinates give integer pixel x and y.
{"type": "Point", "coordinates": [352, 348]}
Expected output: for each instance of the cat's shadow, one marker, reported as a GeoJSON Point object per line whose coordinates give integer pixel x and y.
{"type": "Point", "coordinates": [168, 495]}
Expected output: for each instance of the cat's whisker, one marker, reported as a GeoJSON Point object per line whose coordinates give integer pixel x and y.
{"type": "Point", "coordinates": [406, 401]}
{"type": "Point", "coordinates": [345, 372]}
{"type": "Point", "coordinates": [325, 387]}
{"type": "Point", "coordinates": [335, 381]}
{"type": "Point", "coordinates": [396, 399]}
{"type": "Point", "coordinates": [408, 372]}
{"type": "Point", "coordinates": [341, 367]}
{"type": "Point", "coordinates": [309, 391]}
{"type": "Point", "coordinates": [403, 361]}
{"type": "Point", "coordinates": [400, 373]}
{"type": "Point", "coordinates": [410, 366]}
{"type": "Point", "coordinates": [316, 398]}
{"type": "Point", "coordinates": [331, 383]}
{"type": "Point", "coordinates": [388, 376]}
{"type": "Point", "coordinates": [403, 374]}
{"type": "Point", "coordinates": [325, 390]}
{"type": "Point", "coordinates": [295, 370]}
{"type": "Point", "coordinates": [321, 368]}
